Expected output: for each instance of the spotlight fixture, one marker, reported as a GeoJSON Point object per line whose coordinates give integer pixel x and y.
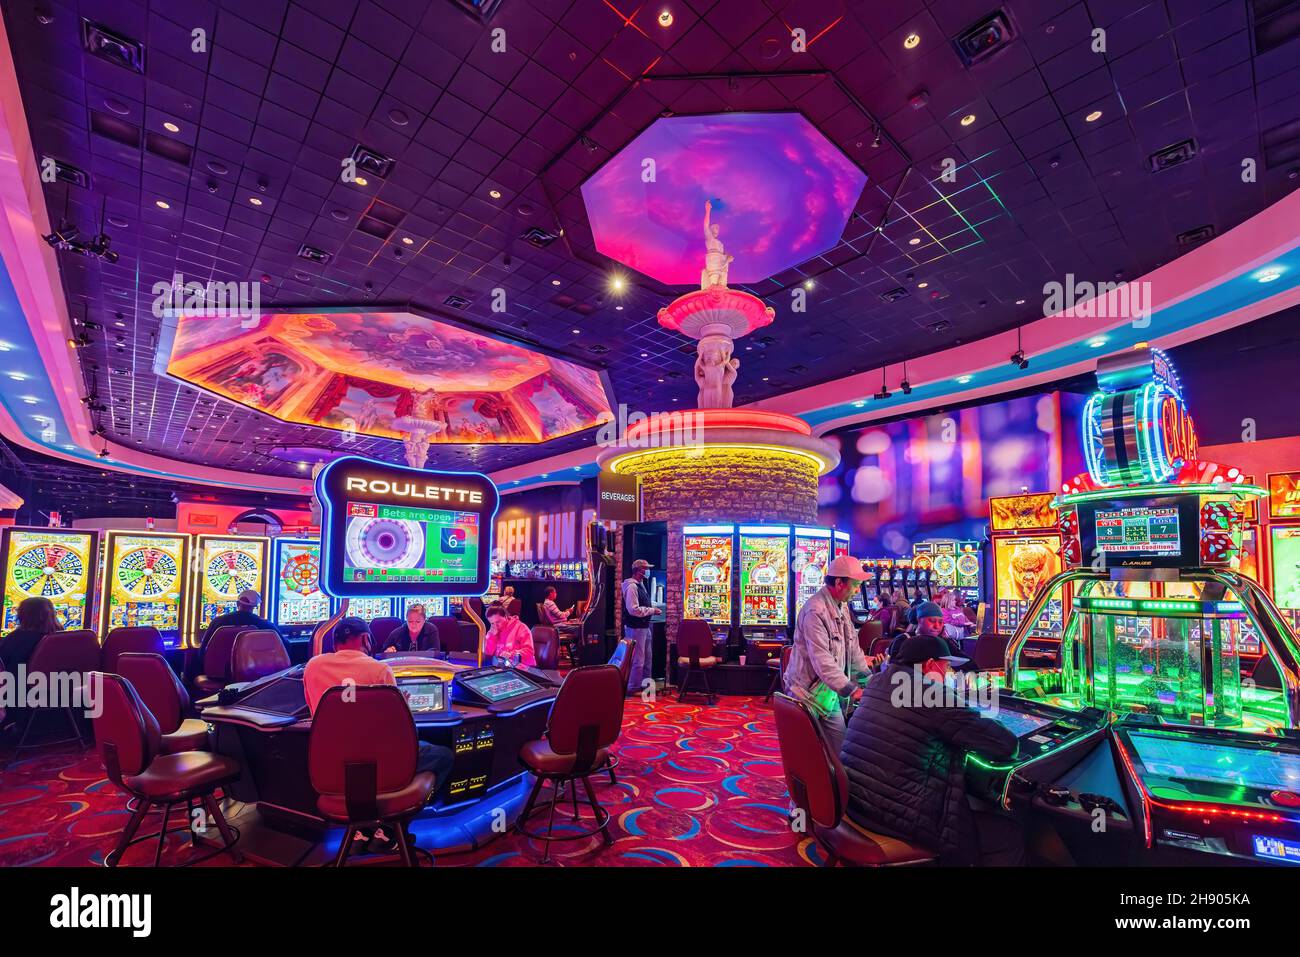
{"type": "Point", "coordinates": [103, 453]}
{"type": "Point", "coordinates": [1018, 358]}
{"type": "Point", "coordinates": [875, 141]}
{"type": "Point", "coordinates": [905, 386]}
{"type": "Point", "coordinates": [884, 392]}
{"type": "Point", "coordinates": [666, 19]}
{"type": "Point", "coordinates": [911, 41]}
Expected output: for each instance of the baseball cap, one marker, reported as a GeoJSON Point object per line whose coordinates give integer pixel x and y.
{"type": "Point", "coordinates": [350, 627]}
{"type": "Point", "coordinates": [846, 566]}
{"type": "Point", "coordinates": [922, 648]}
{"type": "Point", "coordinates": [249, 597]}
{"type": "Point", "coordinates": [927, 609]}
{"type": "Point", "coordinates": [641, 563]}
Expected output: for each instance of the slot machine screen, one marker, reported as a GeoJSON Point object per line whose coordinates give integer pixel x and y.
{"type": "Point", "coordinates": [707, 570]}
{"type": "Point", "coordinates": [298, 596]}
{"type": "Point", "coordinates": [764, 575]}
{"type": "Point", "coordinates": [226, 566]}
{"type": "Point", "coordinates": [435, 606]}
{"type": "Point", "coordinates": [1142, 532]}
{"type": "Point", "coordinates": [368, 609]}
{"type": "Point", "coordinates": [145, 582]}
{"type": "Point", "coordinates": [53, 563]}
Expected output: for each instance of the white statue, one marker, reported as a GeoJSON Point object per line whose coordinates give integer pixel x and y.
{"type": "Point", "coordinates": [715, 372]}
{"type": "Point", "coordinates": [716, 259]}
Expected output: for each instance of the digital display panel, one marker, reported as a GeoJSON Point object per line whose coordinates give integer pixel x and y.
{"type": "Point", "coordinates": [299, 599]}
{"type": "Point", "coordinates": [1024, 564]}
{"type": "Point", "coordinates": [368, 609]}
{"type": "Point", "coordinates": [499, 685]}
{"type": "Point", "coordinates": [1284, 495]}
{"type": "Point", "coordinates": [227, 565]}
{"type": "Point", "coordinates": [392, 531]}
{"type": "Point", "coordinates": [1265, 769]}
{"type": "Point", "coordinates": [1016, 722]}
{"type": "Point", "coordinates": [1276, 848]}
{"type": "Point", "coordinates": [1158, 532]}
{"type": "Point", "coordinates": [1285, 562]}
{"type": "Point", "coordinates": [809, 566]}
{"type": "Point", "coordinates": [764, 576]}
{"type": "Point", "coordinates": [423, 695]}
{"type": "Point", "coordinates": [53, 563]}
{"type": "Point", "coordinates": [435, 606]}
{"type": "Point", "coordinates": [1144, 530]}
{"type": "Point", "coordinates": [1009, 513]}
{"type": "Point", "coordinates": [707, 572]}
{"type": "Point", "coordinates": [145, 582]}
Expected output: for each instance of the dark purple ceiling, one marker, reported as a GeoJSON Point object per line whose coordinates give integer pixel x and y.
{"type": "Point", "coordinates": [286, 91]}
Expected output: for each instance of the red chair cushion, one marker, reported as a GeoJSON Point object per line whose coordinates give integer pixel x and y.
{"type": "Point", "coordinates": [390, 804]}
{"type": "Point", "coordinates": [173, 777]}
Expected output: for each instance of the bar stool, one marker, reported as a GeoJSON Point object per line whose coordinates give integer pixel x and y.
{"type": "Point", "coordinates": [695, 655]}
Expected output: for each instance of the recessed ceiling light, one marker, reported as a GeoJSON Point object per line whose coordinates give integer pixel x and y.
{"type": "Point", "coordinates": [661, 380]}
{"type": "Point", "coordinates": [408, 240]}
{"type": "Point", "coordinates": [1097, 342]}
{"type": "Point", "coordinates": [255, 201]}
{"type": "Point", "coordinates": [914, 241]}
{"type": "Point", "coordinates": [494, 193]}
{"type": "Point", "coordinates": [963, 379]}
{"type": "Point", "coordinates": [1020, 302]}
{"type": "Point", "coordinates": [618, 284]}
{"type": "Point", "coordinates": [618, 308]}
{"type": "Point", "coordinates": [171, 127]}
{"type": "Point", "coordinates": [30, 399]}
{"type": "Point", "coordinates": [645, 355]}
{"type": "Point", "coordinates": [161, 204]}
{"type": "Point", "coordinates": [555, 282]}
{"type": "Point", "coordinates": [666, 19]}
{"type": "Point", "coordinates": [911, 41]}
{"type": "Point", "coordinates": [18, 376]}
{"type": "Point", "coordinates": [1093, 117]}
{"type": "Point", "coordinates": [577, 332]}
{"type": "Point", "coordinates": [968, 119]}
{"type": "Point", "coordinates": [859, 404]}
{"type": "Point", "coordinates": [808, 284]}
{"type": "Point", "coordinates": [922, 285]}
{"type": "Point", "coordinates": [1270, 274]}
{"type": "Point", "coordinates": [361, 181]}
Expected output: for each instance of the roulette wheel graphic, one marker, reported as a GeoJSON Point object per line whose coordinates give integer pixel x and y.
{"type": "Point", "coordinates": [230, 572]}
{"type": "Point", "coordinates": [146, 572]}
{"type": "Point", "coordinates": [945, 567]}
{"type": "Point", "coordinates": [968, 564]}
{"type": "Point", "coordinates": [301, 575]}
{"type": "Point", "coordinates": [384, 543]}
{"type": "Point", "coordinates": [48, 571]}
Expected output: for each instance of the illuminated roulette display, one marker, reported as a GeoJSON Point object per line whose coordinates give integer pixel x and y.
{"type": "Point", "coordinates": [301, 574]}
{"type": "Point", "coordinates": [147, 572]}
{"type": "Point", "coordinates": [230, 572]}
{"type": "Point", "coordinates": [945, 567]}
{"type": "Point", "coordinates": [48, 571]}
{"type": "Point", "coordinates": [385, 543]}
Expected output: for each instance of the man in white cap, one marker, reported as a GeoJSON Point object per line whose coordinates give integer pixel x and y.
{"type": "Point", "coordinates": [637, 612]}
{"type": "Point", "coordinates": [826, 660]}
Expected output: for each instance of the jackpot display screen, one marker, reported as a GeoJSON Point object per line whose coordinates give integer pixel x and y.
{"type": "Point", "coordinates": [1161, 532]}
{"type": "Point", "coordinates": [368, 609]}
{"type": "Point", "coordinates": [225, 566]}
{"type": "Point", "coordinates": [1024, 564]}
{"type": "Point", "coordinates": [707, 557]}
{"type": "Point", "coordinates": [392, 531]}
{"type": "Point", "coordinates": [811, 546]}
{"type": "Point", "coordinates": [145, 582]}
{"type": "Point", "coordinates": [764, 575]}
{"type": "Point", "coordinates": [296, 586]}
{"type": "Point", "coordinates": [58, 564]}
{"type": "Point", "coordinates": [1285, 553]}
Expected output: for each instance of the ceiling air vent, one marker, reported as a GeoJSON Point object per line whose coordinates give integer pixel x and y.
{"type": "Point", "coordinates": [67, 173]}
{"type": "Point", "coordinates": [1194, 237]}
{"type": "Point", "coordinates": [1172, 155]}
{"type": "Point", "coordinates": [312, 254]}
{"type": "Point", "coordinates": [110, 46]}
{"type": "Point", "coordinates": [168, 148]}
{"type": "Point", "coordinates": [482, 10]}
{"type": "Point", "coordinates": [536, 236]}
{"type": "Point", "coordinates": [895, 294]}
{"type": "Point", "coordinates": [372, 162]}
{"type": "Point", "coordinates": [978, 43]}
{"type": "Point", "coordinates": [1275, 22]}
{"type": "Point", "coordinates": [943, 325]}
{"type": "Point", "coordinates": [456, 302]}
{"type": "Point", "coordinates": [1281, 144]}
{"type": "Point", "coordinates": [598, 349]}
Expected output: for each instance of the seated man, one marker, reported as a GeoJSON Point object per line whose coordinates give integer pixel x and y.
{"type": "Point", "coordinates": [927, 620]}
{"type": "Point", "coordinates": [551, 612]}
{"type": "Point", "coordinates": [416, 634]}
{"type": "Point", "coordinates": [245, 615]}
{"type": "Point", "coordinates": [904, 752]}
{"type": "Point", "coordinates": [350, 662]}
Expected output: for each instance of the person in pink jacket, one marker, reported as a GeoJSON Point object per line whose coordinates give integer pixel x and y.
{"type": "Point", "coordinates": [508, 637]}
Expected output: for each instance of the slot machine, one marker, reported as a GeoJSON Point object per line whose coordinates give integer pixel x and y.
{"type": "Point", "coordinates": [764, 590]}
{"type": "Point", "coordinates": [435, 606]}
{"type": "Point", "coordinates": [55, 563]}
{"type": "Point", "coordinates": [297, 602]}
{"type": "Point", "coordinates": [708, 553]}
{"type": "Point", "coordinates": [812, 546]}
{"type": "Point", "coordinates": [224, 566]}
{"type": "Point", "coordinates": [145, 583]}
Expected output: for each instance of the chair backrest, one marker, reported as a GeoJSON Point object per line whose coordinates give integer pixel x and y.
{"type": "Point", "coordinates": [126, 732]}
{"type": "Point", "coordinates": [622, 658]}
{"type": "Point", "coordinates": [124, 641]}
{"type": "Point", "coordinates": [380, 629]}
{"type": "Point", "coordinates": [158, 687]}
{"type": "Point", "coordinates": [981, 617]}
{"type": "Point", "coordinates": [990, 652]}
{"type": "Point", "coordinates": [541, 612]}
{"type": "Point", "coordinates": [880, 646]}
{"type": "Point", "coordinates": [694, 638]}
{"type": "Point", "coordinates": [368, 735]}
{"type": "Point", "coordinates": [546, 647]}
{"type": "Point", "coordinates": [513, 606]}
{"type": "Point", "coordinates": [66, 651]}
{"type": "Point", "coordinates": [785, 657]}
{"type": "Point", "coordinates": [587, 714]}
{"type": "Point", "coordinates": [450, 635]}
{"type": "Point", "coordinates": [814, 777]}
{"type": "Point", "coordinates": [256, 654]}
{"type": "Point", "coordinates": [216, 657]}
{"type": "Point", "coordinates": [871, 630]}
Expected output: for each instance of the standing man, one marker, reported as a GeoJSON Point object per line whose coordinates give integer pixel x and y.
{"type": "Point", "coordinates": [826, 660]}
{"type": "Point", "coordinates": [637, 612]}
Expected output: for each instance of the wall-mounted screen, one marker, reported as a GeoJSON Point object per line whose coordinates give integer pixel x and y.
{"type": "Point", "coordinates": [1157, 532]}
{"type": "Point", "coordinates": [1023, 565]}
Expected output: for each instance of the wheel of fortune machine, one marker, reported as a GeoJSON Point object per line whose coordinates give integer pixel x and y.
{"type": "Point", "coordinates": [147, 572]}
{"type": "Point", "coordinates": [47, 571]}
{"type": "Point", "coordinates": [231, 572]}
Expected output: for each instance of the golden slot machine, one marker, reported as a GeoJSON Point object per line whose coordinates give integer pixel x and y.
{"type": "Point", "coordinates": [224, 566]}
{"type": "Point", "coordinates": [54, 563]}
{"type": "Point", "coordinates": [145, 583]}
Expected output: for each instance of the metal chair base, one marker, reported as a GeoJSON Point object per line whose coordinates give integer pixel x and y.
{"type": "Point", "coordinates": [229, 833]}
{"type": "Point", "coordinates": [602, 817]}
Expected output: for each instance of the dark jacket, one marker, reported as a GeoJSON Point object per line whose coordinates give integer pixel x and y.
{"type": "Point", "coordinates": [244, 619]}
{"type": "Point", "coordinates": [16, 648]}
{"type": "Point", "coordinates": [906, 767]}
{"type": "Point", "coordinates": [400, 638]}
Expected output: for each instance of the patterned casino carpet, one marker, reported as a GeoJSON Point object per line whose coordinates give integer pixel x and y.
{"type": "Point", "coordinates": [699, 786]}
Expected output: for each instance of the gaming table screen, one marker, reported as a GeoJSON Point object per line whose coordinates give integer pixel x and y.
{"type": "Point", "coordinates": [423, 695]}
{"type": "Point", "coordinates": [391, 544]}
{"type": "Point", "coordinates": [1016, 722]}
{"type": "Point", "coordinates": [57, 564]}
{"type": "Point", "coordinates": [298, 596]}
{"type": "Point", "coordinates": [707, 570]}
{"type": "Point", "coordinates": [498, 686]}
{"type": "Point", "coordinates": [227, 565]}
{"type": "Point", "coordinates": [764, 578]}
{"type": "Point", "coordinates": [145, 582]}
{"type": "Point", "coordinates": [1222, 763]}
{"type": "Point", "coordinates": [810, 561]}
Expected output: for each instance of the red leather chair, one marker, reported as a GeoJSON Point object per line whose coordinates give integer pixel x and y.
{"type": "Point", "coordinates": [165, 697]}
{"type": "Point", "coordinates": [546, 647]}
{"type": "Point", "coordinates": [380, 629]}
{"type": "Point", "coordinates": [124, 641]}
{"type": "Point", "coordinates": [513, 606]}
{"type": "Point", "coordinates": [256, 654]}
{"type": "Point", "coordinates": [130, 745]}
{"type": "Point", "coordinates": [215, 673]}
{"type": "Point", "coordinates": [622, 660]}
{"type": "Point", "coordinates": [361, 759]}
{"type": "Point", "coordinates": [695, 655]}
{"type": "Point", "coordinates": [778, 665]}
{"type": "Point", "coordinates": [870, 631]}
{"type": "Point", "coordinates": [454, 638]}
{"type": "Point", "coordinates": [60, 653]}
{"type": "Point", "coordinates": [584, 723]}
{"type": "Point", "coordinates": [819, 789]}
{"type": "Point", "coordinates": [879, 646]}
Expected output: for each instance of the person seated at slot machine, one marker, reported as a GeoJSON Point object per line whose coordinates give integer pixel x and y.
{"type": "Point", "coordinates": [36, 619]}
{"type": "Point", "coordinates": [350, 663]}
{"type": "Point", "coordinates": [904, 752]}
{"type": "Point", "coordinates": [245, 616]}
{"type": "Point", "coordinates": [551, 612]}
{"type": "Point", "coordinates": [927, 620]}
{"type": "Point", "coordinates": [508, 638]}
{"type": "Point", "coordinates": [417, 633]}
{"type": "Point", "coordinates": [884, 612]}
{"type": "Point", "coordinates": [954, 617]}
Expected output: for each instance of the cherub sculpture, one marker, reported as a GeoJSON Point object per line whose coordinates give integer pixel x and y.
{"type": "Point", "coordinates": [715, 372]}
{"type": "Point", "coordinates": [716, 259]}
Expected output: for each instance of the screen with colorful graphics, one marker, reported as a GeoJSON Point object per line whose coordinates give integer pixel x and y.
{"type": "Point", "coordinates": [1285, 556]}
{"type": "Point", "coordinates": [368, 609]}
{"type": "Point", "coordinates": [764, 576]}
{"type": "Point", "coordinates": [145, 582]}
{"type": "Point", "coordinates": [1024, 564]}
{"type": "Point", "coordinates": [810, 561]}
{"type": "Point", "coordinates": [388, 531]}
{"type": "Point", "coordinates": [53, 563]}
{"type": "Point", "coordinates": [707, 572]}
{"type": "Point", "coordinates": [227, 565]}
{"type": "Point", "coordinates": [1284, 495]}
{"type": "Point", "coordinates": [298, 596]}
{"type": "Point", "coordinates": [1154, 532]}
{"type": "Point", "coordinates": [1014, 512]}
{"type": "Point", "coordinates": [1138, 529]}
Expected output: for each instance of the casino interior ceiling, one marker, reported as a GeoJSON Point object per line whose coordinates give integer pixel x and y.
{"type": "Point", "coordinates": [364, 372]}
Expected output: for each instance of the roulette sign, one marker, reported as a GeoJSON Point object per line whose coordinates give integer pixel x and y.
{"type": "Point", "coordinates": [145, 582]}
{"type": "Point", "coordinates": [225, 566]}
{"type": "Point", "coordinates": [54, 563]}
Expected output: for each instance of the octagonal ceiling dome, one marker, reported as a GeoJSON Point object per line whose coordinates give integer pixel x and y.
{"type": "Point", "coordinates": [781, 192]}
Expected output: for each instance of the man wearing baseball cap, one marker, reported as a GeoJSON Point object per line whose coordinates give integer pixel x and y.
{"type": "Point", "coordinates": [245, 615]}
{"type": "Point", "coordinates": [927, 620]}
{"type": "Point", "coordinates": [637, 613]}
{"type": "Point", "coordinates": [905, 755]}
{"type": "Point", "coordinates": [826, 660]}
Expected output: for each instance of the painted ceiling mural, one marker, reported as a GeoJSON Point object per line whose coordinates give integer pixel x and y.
{"type": "Point", "coordinates": [365, 372]}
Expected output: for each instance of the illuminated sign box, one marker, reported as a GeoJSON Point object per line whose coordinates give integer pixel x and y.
{"type": "Point", "coordinates": [393, 531]}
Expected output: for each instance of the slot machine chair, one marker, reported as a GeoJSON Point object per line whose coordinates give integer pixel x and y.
{"type": "Point", "coordinates": [453, 638]}
{"type": "Point", "coordinates": [256, 654]}
{"type": "Point", "coordinates": [380, 629]}
{"type": "Point", "coordinates": [162, 693]}
{"type": "Point", "coordinates": [695, 655]}
{"type": "Point", "coordinates": [130, 745]}
{"type": "Point", "coordinates": [584, 724]}
{"type": "Point", "coordinates": [215, 666]}
{"type": "Point", "coordinates": [546, 647]}
{"type": "Point", "coordinates": [364, 779]}
{"type": "Point", "coordinates": [870, 632]}
{"type": "Point", "coordinates": [819, 787]}
{"type": "Point", "coordinates": [123, 641]}
{"type": "Point", "coordinates": [60, 652]}
{"type": "Point", "coordinates": [778, 666]}
{"type": "Point", "coordinates": [622, 660]}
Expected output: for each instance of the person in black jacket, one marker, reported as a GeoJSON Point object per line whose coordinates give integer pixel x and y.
{"type": "Point", "coordinates": [36, 619]}
{"type": "Point", "coordinates": [417, 633]}
{"type": "Point", "coordinates": [904, 753]}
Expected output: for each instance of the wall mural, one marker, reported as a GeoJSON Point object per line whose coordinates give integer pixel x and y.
{"type": "Point", "coordinates": [361, 371]}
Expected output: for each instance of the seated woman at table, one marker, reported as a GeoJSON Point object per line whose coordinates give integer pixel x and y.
{"type": "Point", "coordinates": [553, 614]}
{"type": "Point", "coordinates": [508, 638]}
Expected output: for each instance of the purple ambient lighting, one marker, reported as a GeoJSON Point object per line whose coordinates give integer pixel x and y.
{"type": "Point", "coordinates": [781, 193]}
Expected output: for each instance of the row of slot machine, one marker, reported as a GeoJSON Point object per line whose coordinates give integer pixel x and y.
{"type": "Point", "coordinates": [175, 582]}
{"type": "Point", "coordinates": [755, 577]}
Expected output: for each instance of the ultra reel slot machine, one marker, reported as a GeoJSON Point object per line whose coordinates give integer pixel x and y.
{"type": "Point", "coordinates": [764, 581]}
{"type": "Point", "coordinates": [707, 558]}
{"type": "Point", "coordinates": [145, 583]}
{"type": "Point", "coordinates": [224, 566]}
{"type": "Point", "coordinates": [54, 563]}
{"type": "Point", "coordinates": [298, 603]}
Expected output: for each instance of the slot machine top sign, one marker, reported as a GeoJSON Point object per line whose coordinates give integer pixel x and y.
{"type": "Point", "coordinates": [389, 530]}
